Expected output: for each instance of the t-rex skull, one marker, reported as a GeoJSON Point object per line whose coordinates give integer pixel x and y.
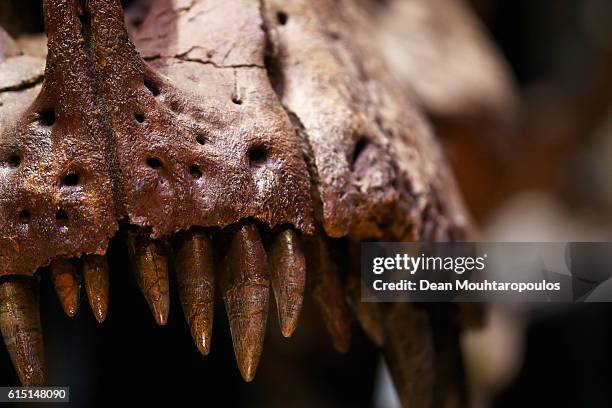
{"type": "Point", "coordinates": [240, 135]}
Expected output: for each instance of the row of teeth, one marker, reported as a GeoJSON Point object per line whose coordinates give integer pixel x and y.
{"type": "Point", "coordinates": [246, 272]}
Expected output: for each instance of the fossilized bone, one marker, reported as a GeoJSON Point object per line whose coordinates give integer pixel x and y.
{"type": "Point", "coordinates": [456, 75]}
{"type": "Point", "coordinates": [244, 145]}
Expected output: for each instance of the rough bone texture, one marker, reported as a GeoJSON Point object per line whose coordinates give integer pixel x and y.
{"type": "Point", "coordinates": [209, 152]}
{"type": "Point", "coordinates": [378, 171]}
{"type": "Point", "coordinates": [198, 153]}
{"type": "Point", "coordinates": [200, 138]}
{"type": "Point", "coordinates": [61, 133]}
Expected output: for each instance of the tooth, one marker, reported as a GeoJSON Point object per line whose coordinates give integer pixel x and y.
{"type": "Point", "coordinates": [20, 326]}
{"type": "Point", "coordinates": [195, 279]}
{"type": "Point", "coordinates": [367, 313]}
{"type": "Point", "coordinates": [409, 352]}
{"type": "Point", "coordinates": [288, 274]}
{"type": "Point", "coordinates": [246, 289]}
{"type": "Point", "coordinates": [150, 264]}
{"type": "Point", "coordinates": [450, 387]}
{"type": "Point", "coordinates": [65, 279]}
{"type": "Point", "coordinates": [95, 276]}
{"type": "Point", "coordinates": [328, 293]}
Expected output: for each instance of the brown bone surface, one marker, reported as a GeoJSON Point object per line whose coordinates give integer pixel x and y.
{"type": "Point", "coordinates": [108, 137]}
{"type": "Point", "coordinates": [200, 138]}
{"type": "Point", "coordinates": [378, 172]}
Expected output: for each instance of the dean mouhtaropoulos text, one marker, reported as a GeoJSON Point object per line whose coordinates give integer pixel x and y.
{"type": "Point", "coordinates": [464, 284]}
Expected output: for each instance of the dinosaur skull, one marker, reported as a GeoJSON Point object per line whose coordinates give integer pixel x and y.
{"type": "Point", "coordinates": [251, 150]}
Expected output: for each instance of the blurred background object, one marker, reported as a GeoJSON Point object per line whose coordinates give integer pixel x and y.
{"type": "Point", "coordinates": [551, 182]}
{"type": "Point", "coordinates": [529, 137]}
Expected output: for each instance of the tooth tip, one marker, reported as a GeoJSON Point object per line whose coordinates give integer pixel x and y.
{"type": "Point", "coordinates": [248, 370]}
{"type": "Point", "coordinates": [248, 351]}
{"type": "Point", "coordinates": [378, 339]}
{"type": "Point", "coordinates": [377, 336]}
{"type": "Point", "coordinates": [95, 274]}
{"type": "Point", "coordinates": [342, 344]}
{"type": "Point", "coordinates": [342, 347]}
{"type": "Point", "coordinates": [161, 317]}
{"type": "Point", "coordinates": [160, 309]}
{"type": "Point", "coordinates": [248, 377]}
{"type": "Point", "coordinates": [203, 343]}
{"type": "Point", "coordinates": [100, 314]}
{"type": "Point", "coordinates": [201, 332]}
{"type": "Point", "coordinates": [204, 349]}
{"type": "Point", "coordinates": [71, 309]}
{"type": "Point", "coordinates": [289, 315]}
{"type": "Point", "coordinates": [247, 358]}
{"type": "Point", "coordinates": [288, 325]}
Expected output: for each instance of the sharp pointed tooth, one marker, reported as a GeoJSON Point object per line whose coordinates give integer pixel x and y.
{"type": "Point", "coordinates": [150, 264]}
{"type": "Point", "coordinates": [20, 326]}
{"type": "Point", "coordinates": [288, 274]}
{"type": "Point", "coordinates": [95, 276]}
{"type": "Point", "coordinates": [409, 352]}
{"type": "Point", "coordinates": [67, 284]}
{"type": "Point", "coordinates": [328, 293]}
{"type": "Point", "coordinates": [246, 289]}
{"type": "Point", "coordinates": [367, 313]}
{"type": "Point", "coordinates": [450, 386]}
{"type": "Point", "coordinates": [195, 279]}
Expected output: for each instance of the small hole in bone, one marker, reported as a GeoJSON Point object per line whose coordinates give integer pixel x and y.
{"type": "Point", "coordinates": [137, 22]}
{"type": "Point", "coordinates": [151, 86]}
{"type": "Point", "coordinates": [236, 99]}
{"type": "Point", "coordinates": [24, 216]}
{"type": "Point", "coordinates": [195, 171]}
{"type": "Point", "coordinates": [282, 17]}
{"type": "Point", "coordinates": [154, 163]}
{"type": "Point", "coordinates": [175, 105]}
{"type": "Point", "coordinates": [200, 139]}
{"type": "Point", "coordinates": [257, 155]}
{"type": "Point", "coordinates": [47, 117]}
{"type": "Point", "coordinates": [71, 179]}
{"type": "Point", "coordinates": [14, 160]}
{"type": "Point", "coordinates": [61, 216]}
{"type": "Point", "coordinates": [139, 117]}
{"type": "Point", "coordinates": [359, 148]}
